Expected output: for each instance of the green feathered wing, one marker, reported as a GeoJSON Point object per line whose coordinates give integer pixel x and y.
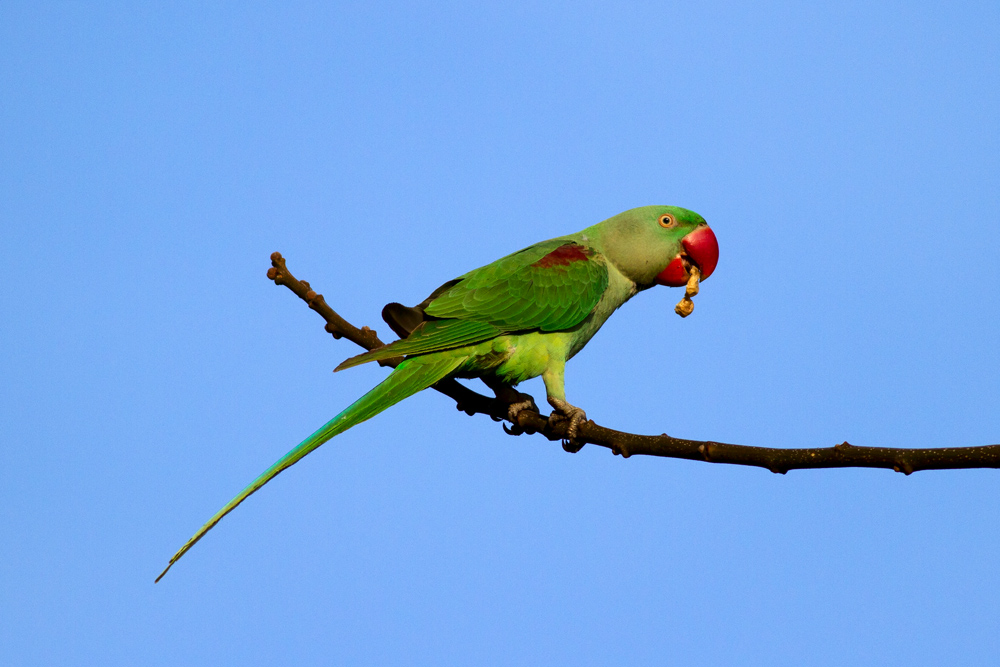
{"type": "Point", "coordinates": [550, 286]}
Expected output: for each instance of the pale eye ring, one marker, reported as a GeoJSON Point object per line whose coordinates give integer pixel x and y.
{"type": "Point", "coordinates": [667, 221]}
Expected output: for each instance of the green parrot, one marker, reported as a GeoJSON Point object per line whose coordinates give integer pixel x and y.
{"type": "Point", "coordinates": [522, 316]}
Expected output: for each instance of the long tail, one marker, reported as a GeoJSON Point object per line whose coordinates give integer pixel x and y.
{"type": "Point", "coordinates": [408, 378]}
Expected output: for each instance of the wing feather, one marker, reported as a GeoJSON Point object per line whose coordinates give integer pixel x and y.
{"type": "Point", "coordinates": [550, 286]}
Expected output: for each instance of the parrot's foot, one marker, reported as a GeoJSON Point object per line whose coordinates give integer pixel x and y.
{"type": "Point", "coordinates": [575, 415]}
{"type": "Point", "coordinates": [515, 400]}
{"type": "Point", "coordinates": [514, 409]}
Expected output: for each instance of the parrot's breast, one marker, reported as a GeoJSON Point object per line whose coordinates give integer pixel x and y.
{"type": "Point", "coordinates": [528, 355]}
{"type": "Point", "coordinates": [619, 290]}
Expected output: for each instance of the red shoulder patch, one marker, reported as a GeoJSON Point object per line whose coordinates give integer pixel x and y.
{"type": "Point", "coordinates": [564, 255]}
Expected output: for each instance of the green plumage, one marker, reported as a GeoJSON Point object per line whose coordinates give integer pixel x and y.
{"type": "Point", "coordinates": [513, 294]}
{"type": "Point", "coordinates": [519, 317]}
{"type": "Point", "coordinates": [431, 336]}
{"type": "Point", "coordinates": [408, 378]}
{"type": "Point", "coordinates": [523, 292]}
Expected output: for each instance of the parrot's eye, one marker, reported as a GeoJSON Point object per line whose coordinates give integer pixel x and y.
{"type": "Point", "coordinates": [667, 221]}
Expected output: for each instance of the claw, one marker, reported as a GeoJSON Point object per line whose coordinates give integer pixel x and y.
{"type": "Point", "coordinates": [571, 446]}
{"type": "Point", "coordinates": [513, 430]}
{"type": "Point", "coordinates": [576, 417]}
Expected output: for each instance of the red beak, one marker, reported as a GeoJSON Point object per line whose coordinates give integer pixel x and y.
{"type": "Point", "coordinates": [701, 248]}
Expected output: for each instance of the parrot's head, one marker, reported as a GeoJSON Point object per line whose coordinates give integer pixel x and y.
{"type": "Point", "coordinates": [658, 245]}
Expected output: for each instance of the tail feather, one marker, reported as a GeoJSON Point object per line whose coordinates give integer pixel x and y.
{"type": "Point", "coordinates": [407, 379]}
{"type": "Point", "coordinates": [430, 336]}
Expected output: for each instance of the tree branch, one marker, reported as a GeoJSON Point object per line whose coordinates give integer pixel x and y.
{"type": "Point", "coordinates": [777, 460]}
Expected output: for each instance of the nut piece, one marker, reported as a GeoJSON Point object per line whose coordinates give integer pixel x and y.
{"type": "Point", "coordinates": [692, 286]}
{"type": "Point", "coordinates": [686, 306]}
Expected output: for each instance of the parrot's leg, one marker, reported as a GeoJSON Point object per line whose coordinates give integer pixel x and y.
{"type": "Point", "coordinates": [515, 400]}
{"type": "Point", "coordinates": [576, 417]}
{"type": "Point", "coordinates": [555, 390]}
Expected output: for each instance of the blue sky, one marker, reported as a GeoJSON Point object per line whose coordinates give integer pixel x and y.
{"type": "Point", "coordinates": [847, 155]}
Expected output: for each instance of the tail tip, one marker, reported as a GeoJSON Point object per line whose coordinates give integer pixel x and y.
{"type": "Point", "coordinates": [157, 580]}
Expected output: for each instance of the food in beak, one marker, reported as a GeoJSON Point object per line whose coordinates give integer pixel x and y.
{"type": "Point", "coordinates": [701, 249]}
{"type": "Point", "coordinates": [685, 306]}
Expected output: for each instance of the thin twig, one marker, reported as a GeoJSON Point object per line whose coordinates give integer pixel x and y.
{"type": "Point", "coordinates": [777, 460]}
